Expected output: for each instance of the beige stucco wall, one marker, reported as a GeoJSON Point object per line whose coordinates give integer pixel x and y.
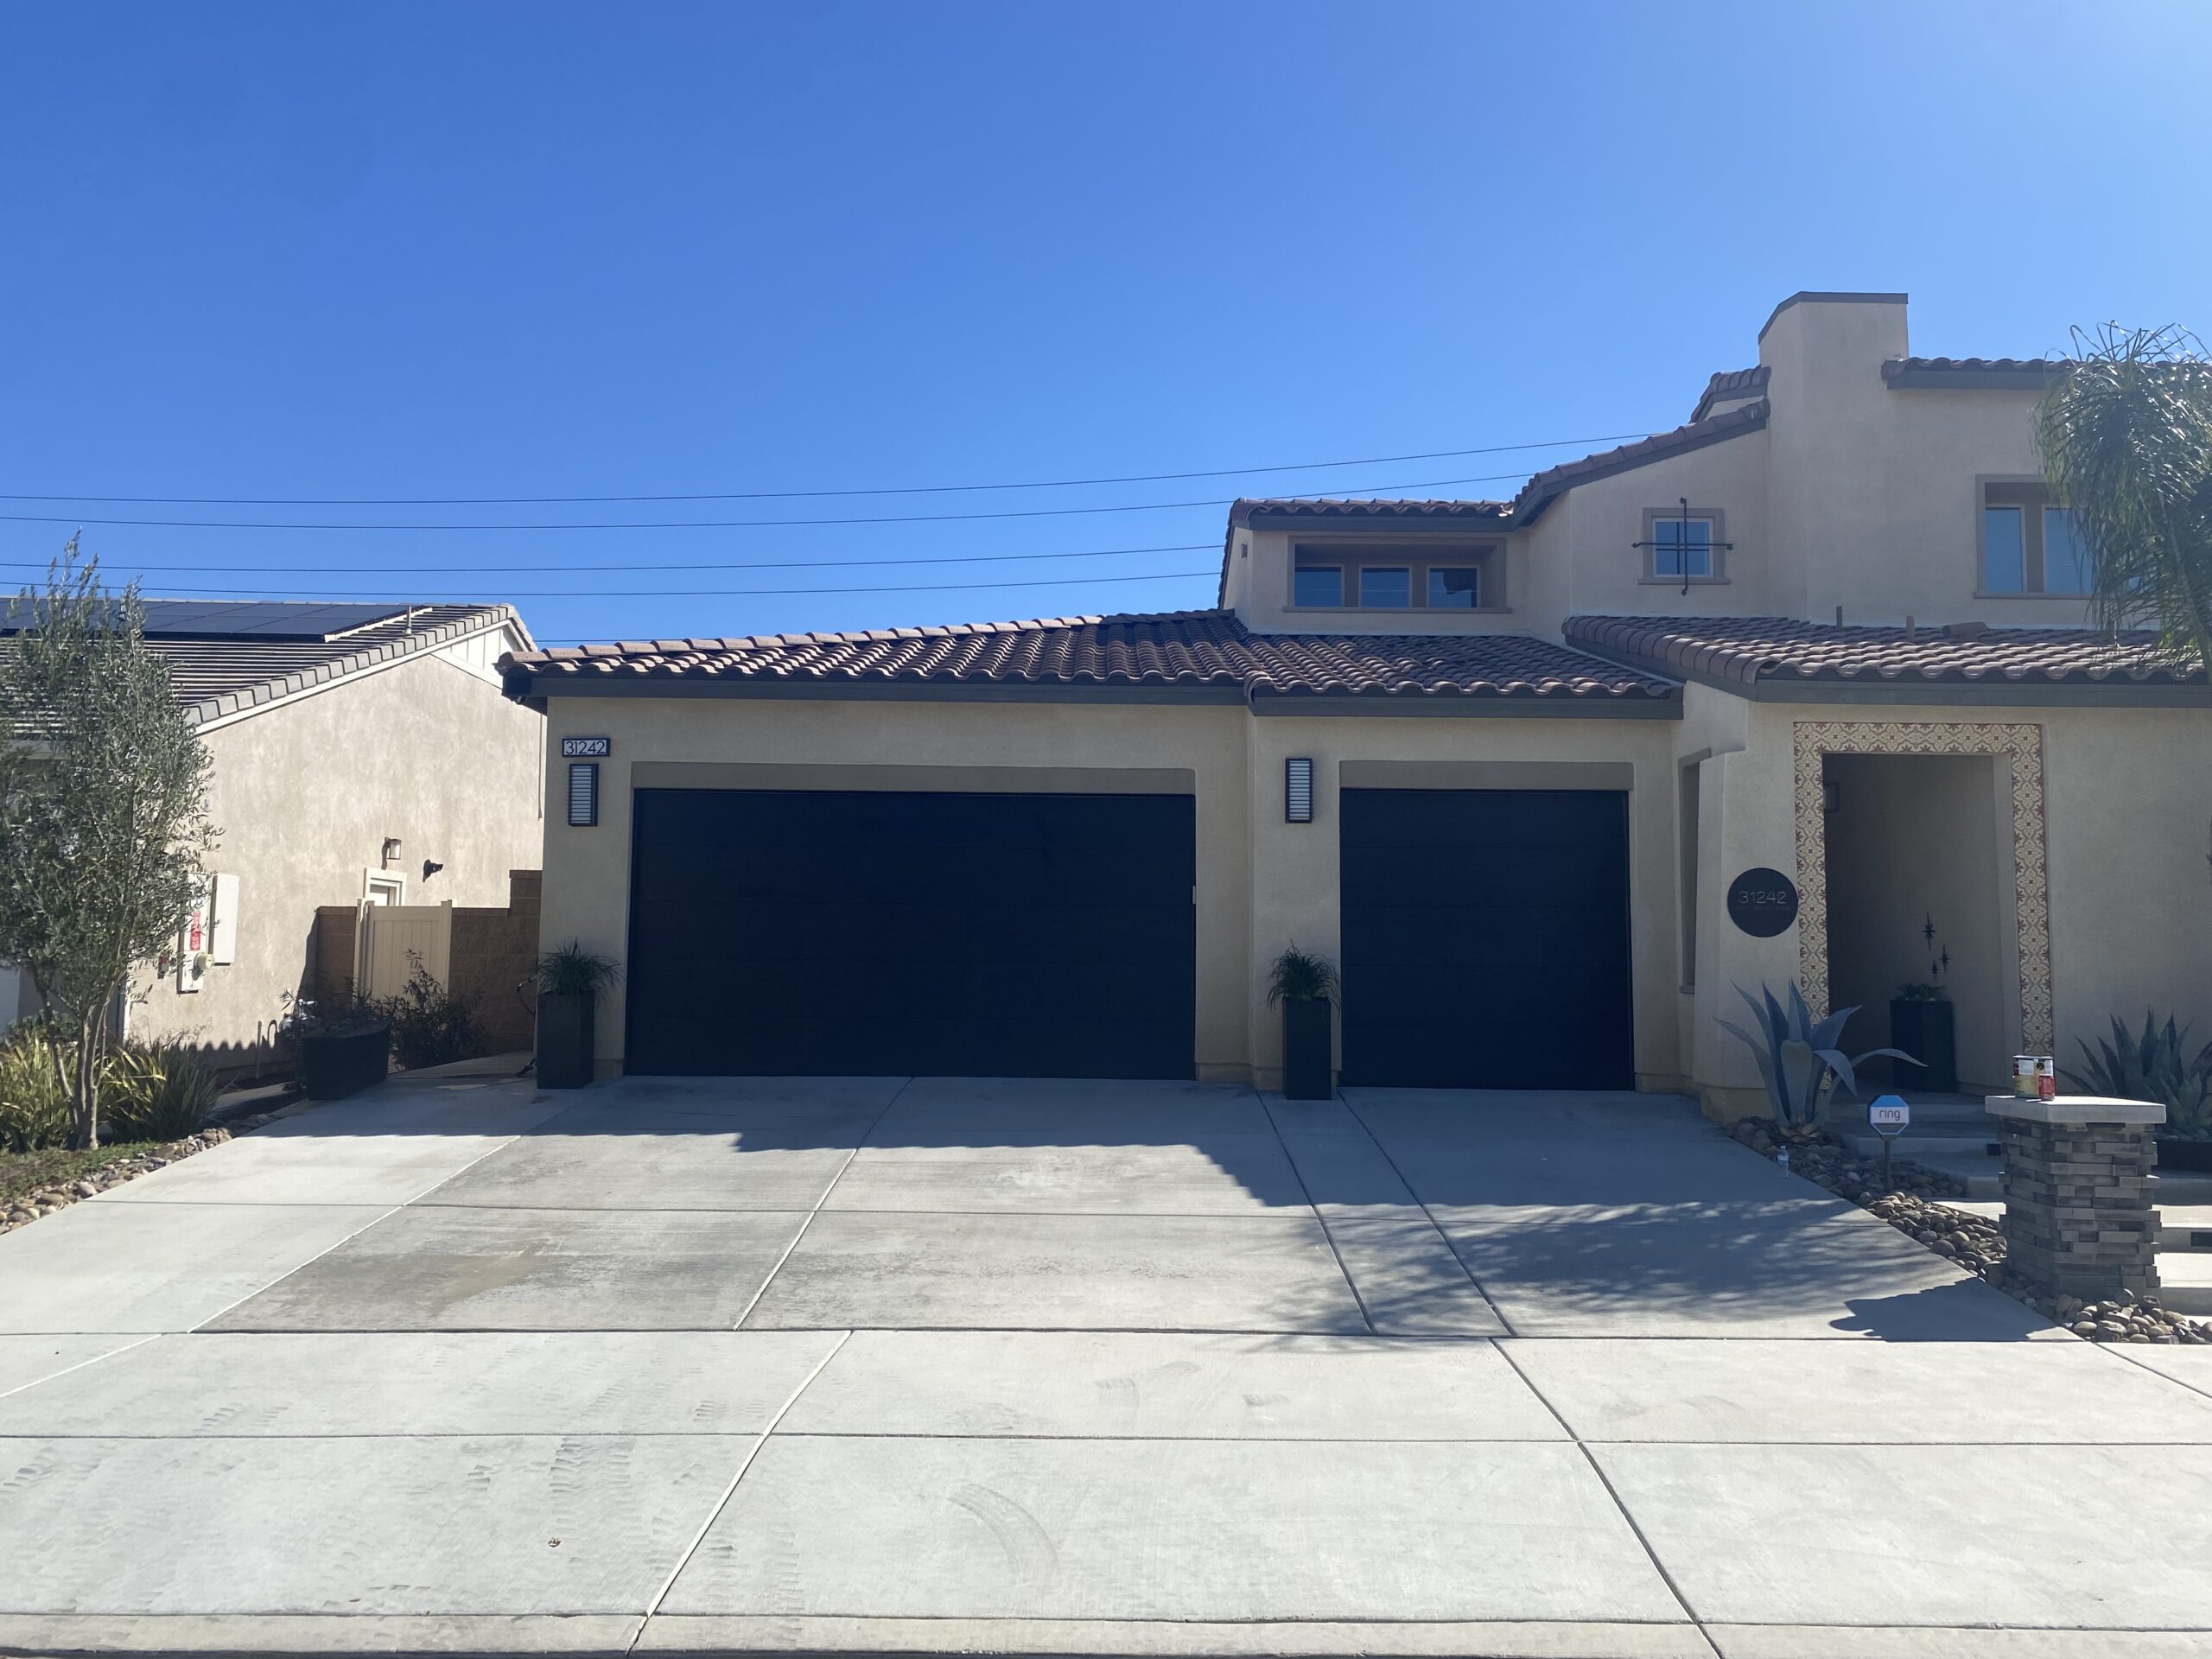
{"type": "Point", "coordinates": [2128, 832]}
{"type": "Point", "coordinates": [305, 792]}
{"type": "Point", "coordinates": [1854, 498]}
{"type": "Point", "coordinates": [1261, 882]}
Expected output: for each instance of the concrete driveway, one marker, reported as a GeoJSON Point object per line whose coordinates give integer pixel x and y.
{"type": "Point", "coordinates": [932, 1365]}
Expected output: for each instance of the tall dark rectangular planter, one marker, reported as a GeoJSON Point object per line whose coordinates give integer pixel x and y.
{"type": "Point", "coordinates": [1925, 1031]}
{"type": "Point", "coordinates": [332, 1068]}
{"type": "Point", "coordinates": [565, 1039]}
{"type": "Point", "coordinates": [1306, 1074]}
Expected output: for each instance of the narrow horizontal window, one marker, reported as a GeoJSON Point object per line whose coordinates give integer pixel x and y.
{"type": "Point", "coordinates": [1386, 585]}
{"type": "Point", "coordinates": [1454, 589]}
{"type": "Point", "coordinates": [2004, 551]}
{"type": "Point", "coordinates": [1319, 584]}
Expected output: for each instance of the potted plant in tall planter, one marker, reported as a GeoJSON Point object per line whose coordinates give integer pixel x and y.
{"type": "Point", "coordinates": [344, 1045]}
{"type": "Point", "coordinates": [1306, 986]}
{"type": "Point", "coordinates": [569, 981]}
{"type": "Point", "coordinates": [1923, 1023]}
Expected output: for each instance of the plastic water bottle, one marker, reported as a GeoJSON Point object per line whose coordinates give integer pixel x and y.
{"type": "Point", "coordinates": [1781, 1157]}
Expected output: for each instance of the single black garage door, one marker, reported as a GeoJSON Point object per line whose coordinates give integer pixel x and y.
{"type": "Point", "coordinates": [1486, 939]}
{"type": "Point", "coordinates": [812, 933]}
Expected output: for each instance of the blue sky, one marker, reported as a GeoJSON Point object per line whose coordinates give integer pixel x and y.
{"type": "Point", "coordinates": [502, 251]}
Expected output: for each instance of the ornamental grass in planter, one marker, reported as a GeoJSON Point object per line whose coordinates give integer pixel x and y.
{"type": "Point", "coordinates": [344, 1047]}
{"type": "Point", "coordinates": [1306, 986]}
{"type": "Point", "coordinates": [569, 981]}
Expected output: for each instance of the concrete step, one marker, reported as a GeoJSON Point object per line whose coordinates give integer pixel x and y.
{"type": "Point", "coordinates": [2185, 1281]}
{"type": "Point", "coordinates": [1919, 1146]}
{"type": "Point", "coordinates": [2185, 1227]}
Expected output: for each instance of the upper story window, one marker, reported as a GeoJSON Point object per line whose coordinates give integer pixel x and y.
{"type": "Point", "coordinates": [1454, 587]}
{"type": "Point", "coordinates": [1389, 586]}
{"type": "Point", "coordinates": [2029, 544]}
{"type": "Point", "coordinates": [1683, 545]}
{"type": "Point", "coordinates": [1415, 578]}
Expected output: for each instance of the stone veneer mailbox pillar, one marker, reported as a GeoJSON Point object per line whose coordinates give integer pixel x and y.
{"type": "Point", "coordinates": [2078, 1217]}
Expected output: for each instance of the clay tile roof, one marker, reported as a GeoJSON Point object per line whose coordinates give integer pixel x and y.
{"type": "Point", "coordinates": [1745, 649]}
{"type": "Point", "coordinates": [1194, 648]}
{"type": "Point", "coordinates": [1729, 383]}
{"type": "Point", "coordinates": [1547, 485]}
{"type": "Point", "coordinates": [1244, 510]}
{"type": "Point", "coordinates": [1971, 373]}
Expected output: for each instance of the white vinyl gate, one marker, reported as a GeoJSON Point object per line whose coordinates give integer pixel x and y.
{"type": "Point", "coordinates": [392, 936]}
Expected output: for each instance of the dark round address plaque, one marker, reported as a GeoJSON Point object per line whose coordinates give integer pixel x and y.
{"type": "Point", "coordinates": [1763, 902]}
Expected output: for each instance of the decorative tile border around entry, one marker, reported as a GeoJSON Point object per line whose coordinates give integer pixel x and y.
{"type": "Point", "coordinates": [2023, 746]}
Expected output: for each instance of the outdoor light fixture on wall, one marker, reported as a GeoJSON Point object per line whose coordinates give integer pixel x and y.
{"type": "Point", "coordinates": [391, 851]}
{"type": "Point", "coordinates": [1297, 791]}
{"type": "Point", "coordinates": [583, 794]}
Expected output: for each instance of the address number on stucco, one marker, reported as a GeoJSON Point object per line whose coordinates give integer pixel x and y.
{"type": "Point", "coordinates": [586, 748]}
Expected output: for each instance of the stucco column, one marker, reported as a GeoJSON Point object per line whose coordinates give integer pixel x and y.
{"type": "Point", "coordinates": [2078, 1218]}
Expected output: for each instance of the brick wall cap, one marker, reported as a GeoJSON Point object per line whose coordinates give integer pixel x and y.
{"type": "Point", "coordinates": [2075, 1109]}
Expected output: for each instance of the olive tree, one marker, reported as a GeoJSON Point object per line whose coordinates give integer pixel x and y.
{"type": "Point", "coordinates": [103, 810]}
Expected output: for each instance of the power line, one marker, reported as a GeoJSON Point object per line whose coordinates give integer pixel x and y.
{"type": "Point", "coordinates": [551, 569]}
{"type": "Point", "coordinates": [786, 495]}
{"type": "Point", "coordinates": [694, 524]}
{"type": "Point", "coordinates": [715, 593]}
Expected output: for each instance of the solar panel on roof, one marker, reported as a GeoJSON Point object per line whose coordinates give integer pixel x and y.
{"type": "Point", "coordinates": [257, 618]}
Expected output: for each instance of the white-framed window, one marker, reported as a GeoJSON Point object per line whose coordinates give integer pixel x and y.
{"type": "Point", "coordinates": [2030, 545]}
{"type": "Point", "coordinates": [383, 888]}
{"type": "Point", "coordinates": [1455, 588]}
{"type": "Point", "coordinates": [2065, 557]}
{"type": "Point", "coordinates": [1683, 543]}
{"type": "Point", "coordinates": [1683, 547]}
{"type": "Point", "coordinates": [1386, 586]}
{"type": "Point", "coordinates": [1335, 577]}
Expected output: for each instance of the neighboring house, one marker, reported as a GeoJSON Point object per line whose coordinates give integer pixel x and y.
{"type": "Point", "coordinates": [1505, 759]}
{"type": "Point", "coordinates": [362, 753]}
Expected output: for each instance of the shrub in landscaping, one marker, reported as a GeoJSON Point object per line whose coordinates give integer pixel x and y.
{"type": "Point", "coordinates": [429, 1025]}
{"type": "Point", "coordinates": [36, 1087]}
{"type": "Point", "coordinates": [157, 1092]}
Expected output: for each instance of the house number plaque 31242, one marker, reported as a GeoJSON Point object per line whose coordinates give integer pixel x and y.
{"type": "Point", "coordinates": [1763, 902]}
{"type": "Point", "coordinates": [586, 748]}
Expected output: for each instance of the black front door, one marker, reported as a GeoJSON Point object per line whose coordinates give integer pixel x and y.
{"type": "Point", "coordinates": [1486, 938]}
{"type": "Point", "coordinates": [790, 934]}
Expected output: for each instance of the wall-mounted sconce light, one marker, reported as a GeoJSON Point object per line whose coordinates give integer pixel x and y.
{"type": "Point", "coordinates": [430, 868]}
{"type": "Point", "coordinates": [1297, 791]}
{"type": "Point", "coordinates": [391, 851]}
{"type": "Point", "coordinates": [583, 794]}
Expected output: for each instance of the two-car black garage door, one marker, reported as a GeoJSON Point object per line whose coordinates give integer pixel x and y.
{"type": "Point", "coordinates": [1486, 938]}
{"type": "Point", "coordinates": [798, 933]}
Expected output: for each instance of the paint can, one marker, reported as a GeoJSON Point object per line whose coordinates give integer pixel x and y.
{"type": "Point", "coordinates": [2046, 1078]}
{"type": "Point", "coordinates": [2024, 1068]}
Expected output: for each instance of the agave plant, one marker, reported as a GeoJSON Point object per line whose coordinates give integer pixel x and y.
{"type": "Point", "coordinates": [1799, 1058]}
{"type": "Point", "coordinates": [2155, 1066]}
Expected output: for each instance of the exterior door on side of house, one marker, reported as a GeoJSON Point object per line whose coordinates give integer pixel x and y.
{"type": "Point", "coordinates": [813, 932]}
{"type": "Point", "coordinates": [1486, 938]}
